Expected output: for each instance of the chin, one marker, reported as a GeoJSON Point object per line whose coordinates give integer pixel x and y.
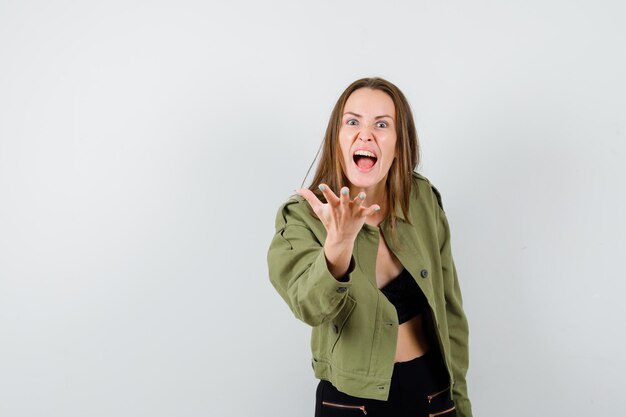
{"type": "Point", "coordinates": [360, 182]}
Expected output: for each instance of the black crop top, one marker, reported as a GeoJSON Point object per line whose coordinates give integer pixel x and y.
{"type": "Point", "coordinates": [406, 296]}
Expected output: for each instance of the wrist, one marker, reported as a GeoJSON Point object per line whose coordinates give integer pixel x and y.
{"type": "Point", "coordinates": [338, 256]}
{"type": "Point", "coordinates": [338, 240]}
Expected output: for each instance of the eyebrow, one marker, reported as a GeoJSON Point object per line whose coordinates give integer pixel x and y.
{"type": "Point", "coordinates": [377, 117]}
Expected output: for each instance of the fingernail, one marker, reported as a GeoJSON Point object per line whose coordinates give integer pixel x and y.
{"type": "Point", "coordinates": [344, 191]}
{"type": "Point", "coordinates": [377, 209]}
{"type": "Point", "coordinates": [362, 196]}
{"type": "Point", "coordinates": [321, 187]}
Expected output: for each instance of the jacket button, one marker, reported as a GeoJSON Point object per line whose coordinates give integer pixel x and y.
{"type": "Point", "coordinates": [341, 289]}
{"type": "Point", "coordinates": [335, 328]}
{"type": "Point", "coordinates": [424, 273]}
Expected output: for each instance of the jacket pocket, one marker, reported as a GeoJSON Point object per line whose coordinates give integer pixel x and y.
{"type": "Point", "coordinates": [337, 325]}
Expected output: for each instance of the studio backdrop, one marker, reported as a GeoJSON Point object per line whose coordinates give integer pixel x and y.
{"type": "Point", "coordinates": [145, 147]}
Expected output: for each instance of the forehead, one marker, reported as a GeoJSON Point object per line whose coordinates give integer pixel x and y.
{"type": "Point", "coordinates": [366, 101]}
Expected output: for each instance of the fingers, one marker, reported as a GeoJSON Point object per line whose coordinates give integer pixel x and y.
{"type": "Point", "coordinates": [359, 199]}
{"type": "Point", "coordinates": [345, 195]}
{"type": "Point", "coordinates": [335, 201]}
{"type": "Point", "coordinates": [309, 196]}
{"type": "Point", "coordinates": [317, 206]}
{"type": "Point", "coordinates": [332, 199]}
{"type": "Point", "coordinates": [358, 202]}
{"type": "Point", "coordinates": [373, 209]}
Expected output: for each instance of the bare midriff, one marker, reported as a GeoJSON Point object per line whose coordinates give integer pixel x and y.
{"type": "Point", "coordinates": [412, 338]}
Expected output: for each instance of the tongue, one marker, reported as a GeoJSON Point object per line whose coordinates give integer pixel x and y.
{"type": "Point", "coordinates": [365, 162]}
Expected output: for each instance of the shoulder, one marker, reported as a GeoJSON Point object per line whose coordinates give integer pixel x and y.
{"type": "Point", "coordinates": [295, 210]}
{"type": "Point", "coordinates": [424, 185]}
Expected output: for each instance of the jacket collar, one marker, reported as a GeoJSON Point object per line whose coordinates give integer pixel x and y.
{"type": "Point", "coordinates": [399, 215]}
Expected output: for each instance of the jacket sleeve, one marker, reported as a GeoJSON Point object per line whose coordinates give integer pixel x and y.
{"type": "Point", "coordinates": [298, 269]}
{"type": "Point", "coordinates": [457, 322]}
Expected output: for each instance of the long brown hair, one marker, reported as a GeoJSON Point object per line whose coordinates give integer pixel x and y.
{"type": "Point", "coordinates": [400, 179]}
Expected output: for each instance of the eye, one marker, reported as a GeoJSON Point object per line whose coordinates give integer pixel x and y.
{"type": "Point", "coordinates": [349, 122]}
{"type": "Point", "coordinates": [382, 124]}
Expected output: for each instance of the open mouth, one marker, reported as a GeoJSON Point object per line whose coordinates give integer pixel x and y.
{"type": "Point", "coordinates": [364, 160]}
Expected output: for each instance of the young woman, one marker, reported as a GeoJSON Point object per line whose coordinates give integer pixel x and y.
{"type": "Point", "coordinates": [363, 256]}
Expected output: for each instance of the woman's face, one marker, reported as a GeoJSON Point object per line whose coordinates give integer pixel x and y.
{"type": "Point", "coordinates": [367, 125]}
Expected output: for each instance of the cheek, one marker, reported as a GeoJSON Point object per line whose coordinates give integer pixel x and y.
{"type": "Point", "coordinates": [393, 143]}
{"type": "Point", "coordinates": [390, 147]}
{"type": "Point", "coordinates": [344, 146]}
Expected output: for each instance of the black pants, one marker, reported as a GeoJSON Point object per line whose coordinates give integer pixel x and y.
{"type": "Point", "coordinates": [419, 387]}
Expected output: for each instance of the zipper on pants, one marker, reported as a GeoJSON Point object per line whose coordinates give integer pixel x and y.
{"type": "Point", "coordinates": [441, 412]}
{"type": "Point", "coordinates": [431, 396]}
{"type": "Point", "coordinates": [358, 407]}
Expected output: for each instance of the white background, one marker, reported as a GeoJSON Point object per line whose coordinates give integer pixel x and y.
{"type": "Point", "coordinates": [145, 148]}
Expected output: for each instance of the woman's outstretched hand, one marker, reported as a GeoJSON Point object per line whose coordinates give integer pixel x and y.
{"type": "Point", "coordinates": [343, 218]}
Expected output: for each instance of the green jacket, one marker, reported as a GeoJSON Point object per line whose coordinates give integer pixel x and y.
{"type": "Point", "coordinates": [354, 326]}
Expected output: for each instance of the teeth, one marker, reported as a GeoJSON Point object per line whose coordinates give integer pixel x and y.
{"type": "Point", "coordinates": [365, 153]}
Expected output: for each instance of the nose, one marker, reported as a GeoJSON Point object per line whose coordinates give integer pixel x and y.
{"type": "Point", "coordinates": [365, 135]}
